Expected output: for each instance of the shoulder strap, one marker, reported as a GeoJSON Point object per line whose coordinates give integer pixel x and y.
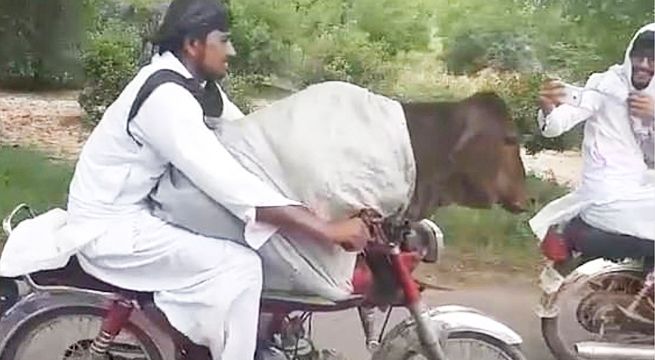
{"type": "Point", "coordinates": [209, 98]}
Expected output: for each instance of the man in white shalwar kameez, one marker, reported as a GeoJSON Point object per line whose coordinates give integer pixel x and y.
{"type": "Point", "coordinates": [617, 191]}
{"type": "Point", "coordinates": [208, 288]}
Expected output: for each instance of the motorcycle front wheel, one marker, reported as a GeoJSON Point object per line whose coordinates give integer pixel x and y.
{"type": "Point", "coordinates": [66, 334]}
{"type": "Point", "coordinates": [460, 345]}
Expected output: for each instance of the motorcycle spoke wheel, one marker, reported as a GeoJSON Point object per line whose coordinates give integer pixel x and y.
{"type": "Point", "coordinates": [588, 311]}
{"type": "Point", "coordinates": [471, 346]}
{"type": "Point", "coordinates": [68, 337]}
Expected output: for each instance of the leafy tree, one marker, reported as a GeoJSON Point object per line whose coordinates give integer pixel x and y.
{"type": "Point", "coordinates": [41, 42]}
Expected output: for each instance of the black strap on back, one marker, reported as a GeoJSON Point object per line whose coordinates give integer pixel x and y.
{"type": "Point", "coordinates": [209, 97]}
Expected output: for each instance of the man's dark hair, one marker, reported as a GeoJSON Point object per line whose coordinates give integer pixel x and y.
{"type": "Point", "coordinates": [644, 44]}
{"type": "Point", "coordinates": [190, 19]}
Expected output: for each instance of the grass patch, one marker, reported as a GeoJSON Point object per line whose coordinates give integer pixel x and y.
{"type": "Point", "coordinates": [28, 176]}
{"type": "Point", "coordinates": [496, 237]}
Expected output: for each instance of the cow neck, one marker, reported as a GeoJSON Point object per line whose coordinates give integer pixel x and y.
{"type": "Point", "coordinates": [433, 133]}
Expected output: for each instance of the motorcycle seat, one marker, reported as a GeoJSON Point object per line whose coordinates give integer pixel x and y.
{"type": "Point", "coordinates": [595, 242]}
{"type": "Point", "coordinates": [73, 275]}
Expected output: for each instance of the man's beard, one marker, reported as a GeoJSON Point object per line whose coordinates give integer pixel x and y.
{"type": "Point", "coordinates": [208, 76]}
{"type": "Point", "coordinates": [641, 84]}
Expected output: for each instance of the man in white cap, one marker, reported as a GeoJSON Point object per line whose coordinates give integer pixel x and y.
{"type": "Point", "coordinates": [617, 192]}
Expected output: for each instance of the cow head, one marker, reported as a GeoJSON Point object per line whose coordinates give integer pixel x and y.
{"type": "Point", "coordinates": [486, 163]}
{"type": "Point", "coordinates": [466, 152]}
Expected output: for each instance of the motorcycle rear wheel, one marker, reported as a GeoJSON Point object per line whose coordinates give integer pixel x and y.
{"type": "Point", "coordinates": [65, 334]}
{"type": "Point", "coordinates": [554, 330]}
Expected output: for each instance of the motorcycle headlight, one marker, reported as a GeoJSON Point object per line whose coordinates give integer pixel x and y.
{"type": "Point", "coordinates": [426, 238]}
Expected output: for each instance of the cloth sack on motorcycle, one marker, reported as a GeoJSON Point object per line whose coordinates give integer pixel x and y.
{"type": "Point", "coordinates": [333, 146]}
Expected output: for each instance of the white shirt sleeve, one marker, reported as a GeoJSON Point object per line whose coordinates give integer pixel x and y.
{"type": "Point", "coordinates": [171, 122]}
{"type": "Point", "coordinates": [564, 117]}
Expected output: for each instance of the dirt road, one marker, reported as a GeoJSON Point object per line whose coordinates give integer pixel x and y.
{"type": "Point", "coordinates": [508, 302]}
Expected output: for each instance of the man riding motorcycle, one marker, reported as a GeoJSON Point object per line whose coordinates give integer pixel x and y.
{"type": "Point", "coordinates": [617, 192]}
{"type": "Point", "coordinates": [109, 225]}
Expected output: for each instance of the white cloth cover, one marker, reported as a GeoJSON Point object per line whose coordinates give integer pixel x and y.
{"type": "Point", "coordinates": [333, 146]}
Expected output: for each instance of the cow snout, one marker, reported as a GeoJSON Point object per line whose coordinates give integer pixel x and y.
{"type": "Point", "coordinates": [516, 207]}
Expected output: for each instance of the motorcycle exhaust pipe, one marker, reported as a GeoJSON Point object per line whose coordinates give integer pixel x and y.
{"type": "Point", "coordinates": [614, 351]}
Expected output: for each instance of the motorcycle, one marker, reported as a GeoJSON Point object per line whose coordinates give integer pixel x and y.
{"type": "Point", "coordinates": [596, 304]}
{"type": "Point", "coordinates": [67, 314]}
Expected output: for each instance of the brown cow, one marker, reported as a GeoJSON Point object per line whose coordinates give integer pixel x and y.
{"type": "Point", "coordinates": [467, 153]}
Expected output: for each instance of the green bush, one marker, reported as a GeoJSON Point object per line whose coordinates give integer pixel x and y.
{"type": "Point", "coordinates": [41, 43]}
{"type": "Point", "coordinates": [599, 28]}
{"type": "Point", "coordinates": [521, 92]}
{"type": "Point", "coordinates": [239, 87]}
{"type": "Point", "coordinates": [348, 55]}
{"type": "Point", "coordinates": [400, 25]}
{"type": "Point", "coordinates": [258, 50]}
{"type": "Point", "coordinates": [465, 54]}
{"type": "Point", "coordinates": [474, 50]}
{"type": "Point", "coordinates": [422, 79]}
{"type": "Point", "coordinates": [574, 62]}
{"type": "Point", "coordinates": [110, 61]}
{"type": "Point", "coordinates": [117, 46]}
{"type": "Point", "coordinates": [308, 41]}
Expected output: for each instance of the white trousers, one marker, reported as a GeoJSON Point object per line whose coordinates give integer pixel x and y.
{"type": "Point", "coordinates": [630, 211]}
{"type": "Point", "coordinates": [629, 217]}
{"type": "Point", "coordinates": [209, 289]}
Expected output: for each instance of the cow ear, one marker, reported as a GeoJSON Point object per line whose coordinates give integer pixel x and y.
{"type": "Point", "coordinates": [468, 130]}
{"type": "Point", "coordinates": [462, 142]}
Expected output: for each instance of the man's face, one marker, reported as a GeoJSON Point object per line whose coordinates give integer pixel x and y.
{"type": "Point", "coordinates": [643, 67]}
{"type": "Point", "coordinates": [217, 49]}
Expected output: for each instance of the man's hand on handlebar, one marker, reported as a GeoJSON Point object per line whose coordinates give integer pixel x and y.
{"type": "Point", "coordinates": [298, 222]}
{"type": "Point", "coordinates": [351, 234]}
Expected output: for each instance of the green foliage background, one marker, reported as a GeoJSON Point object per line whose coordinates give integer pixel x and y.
{"type": "Point", "coordinates": [406, 49]}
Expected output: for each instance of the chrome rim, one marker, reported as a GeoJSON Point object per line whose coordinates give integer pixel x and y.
{"type": "Point", "coordinates": [590, 311]}
{"type": "Point", "coordinates": [469, 348]}
{"type": "Point", "coordinates": [68, 337]}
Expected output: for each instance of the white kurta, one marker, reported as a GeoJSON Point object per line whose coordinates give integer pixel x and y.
{"type": "Point", "coordinates": [617, 193]}
{"type": "Point", "coordinates": [208, 288]}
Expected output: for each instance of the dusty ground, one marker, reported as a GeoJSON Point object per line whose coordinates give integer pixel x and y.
{"type": "Point", "coordinates": [515, 311]}
{"type": "Point", "coordinates": [563, 167]}
{"type": "Point", "coordinates": [49, 122]}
